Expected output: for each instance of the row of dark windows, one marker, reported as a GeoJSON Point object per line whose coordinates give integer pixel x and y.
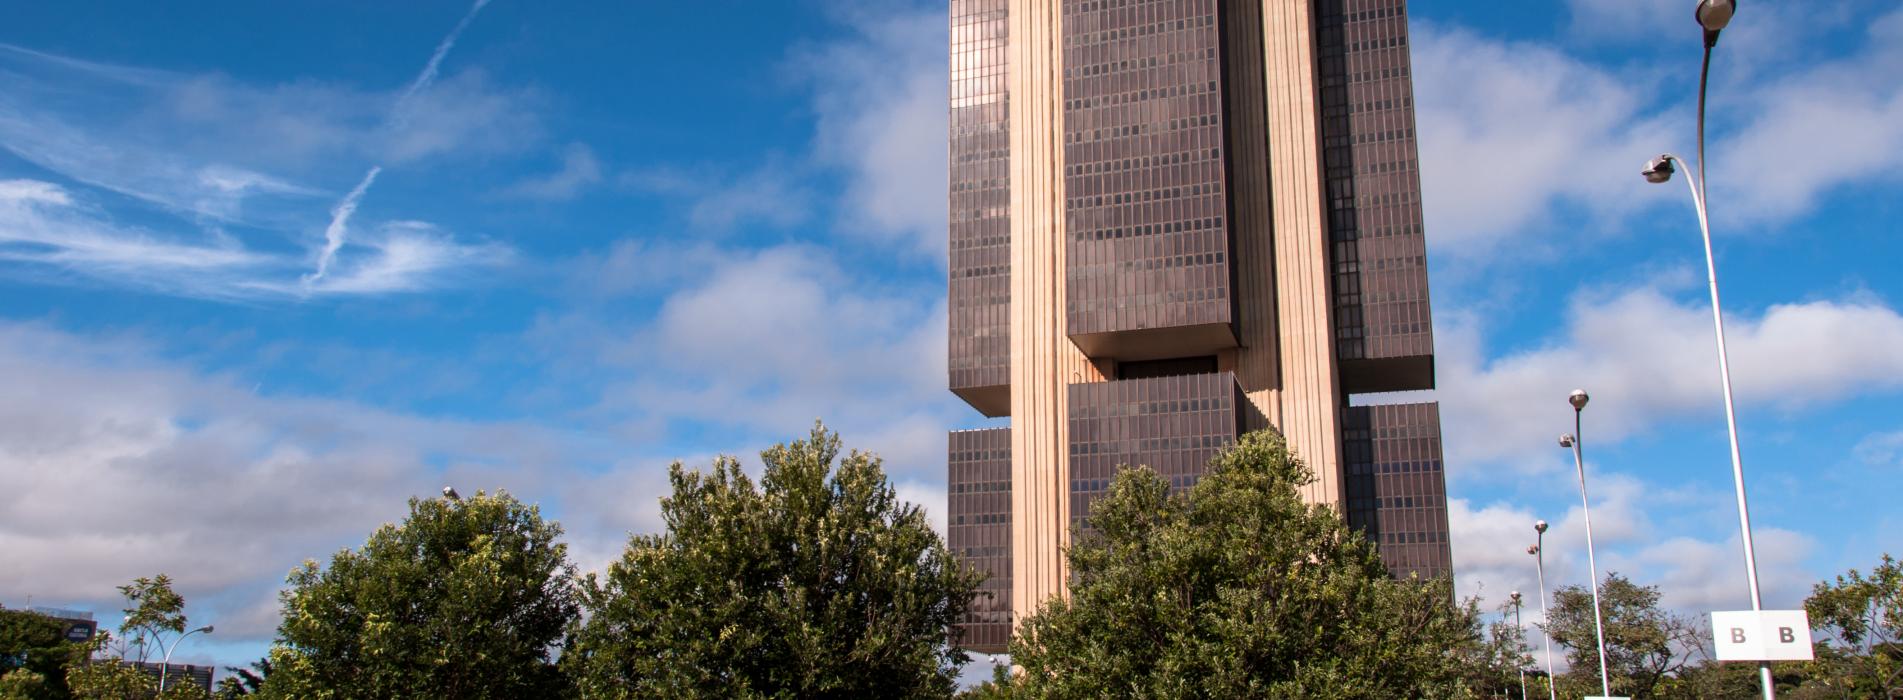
{"type": "Point", "coordinates": [1429, 537]}
{"type": "Point", "coordinates": [976, 552]}
{"type": "Point", "coordinates": [981, 519]}
{"type": "Point", "coordinates": [1151, 264]}
{"type": "Point", "coordinates": [1076, 66]}
{"type": "Point", "coordinates": [1395, 10]}
{"type": "Point", "coordinates": [1409, 467]}
{"type": "Point", "coordinates": [1144, 129]}
{"type": "Point", "coordinates": [982, 487]}
{"type": "Point", "coordinates": [1139, 95]}
{"type": "Point", "coordinates": [1157, 444]}
{"type": "Point", "coordinates": [1160, 160]}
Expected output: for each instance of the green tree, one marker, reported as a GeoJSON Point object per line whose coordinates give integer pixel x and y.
{"type": "Point", "coordinates": [1645, 645]}
{"type": "Point", "coordinates": [1862, 621]}
{"type": "Point", "coordinates": [817, 582]}
{"type": "Point", "coordinates": [1238, 588]}
{"type": "Point", "coordinates": [107, 668]}
{"type": "Point", "coordinates": [153, 613]}
{"type": "Point", "coordinates": [34, 655]}
{"type": "Point", "coordinates": [1495, 661]}
{"type": "Point", "coordinates": [464, 599]}
{"type": "Point", "coordinates": [239, 682]}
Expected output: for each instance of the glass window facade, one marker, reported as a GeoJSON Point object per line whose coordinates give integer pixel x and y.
{"type": "Point", "coordinates": [979, 298]}
{"type": "Point", "coordinates": [1396, 485]}
{"type": "Point", "coordinates": [1146, 212]}
{"type": "Point", "coordinates": [1378, 250]}
{"type": "Point", "coordinates": [1171, 424]}
{"type": "Point", "coordinates": [978, 529]}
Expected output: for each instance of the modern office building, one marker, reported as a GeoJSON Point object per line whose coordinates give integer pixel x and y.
{"type": "Point", "coordinates": [1173, 221]}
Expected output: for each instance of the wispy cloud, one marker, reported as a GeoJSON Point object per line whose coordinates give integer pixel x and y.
{"type": "Point", "coordinates": [580, 170]}
{"type": "Point", "coordinates": [44, 227]}
{"type": "Point", "coordinates": [1647, 356]}
{"type": "Point", "coordinates": [428, 75]}
{"type": "Point", "coordinates": [339, 223]}
{"type": "Point", "coordinates": [338, 230]}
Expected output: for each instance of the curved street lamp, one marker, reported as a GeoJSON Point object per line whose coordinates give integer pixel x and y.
{"type": "Point", "coordinates": [1714, 16]}
{"type": "Point", "coordinates": [1538, 550]}
{"type": "Point", "coordinates": [1578, 400]}
{"type": "Point", "coordinates": [166, 665]}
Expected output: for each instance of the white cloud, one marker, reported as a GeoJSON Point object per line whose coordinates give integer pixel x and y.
{"type": "Point", "coordinates": [210, 147]}
{"type": "Point", "coordinates": [580, 170]}
{"type": "Point", "coordinates": [114, 465]}
{"type": "Point", "coordinates": [1832, 125]}
{"type": "Point", "coordinates": [1647, 358]}
{"type": "Point", "coordinates": [758, 344]}
{"type": "Point", "coordinates": [46, 231]}
{"type": "Point", "coordinates": [1511, 130]}
{"type": "Point", "coordinates": [1700, 576]}
{"type": "Point", "coordinates": [880, 97]}
{"type": "Point", "coordinates": [1521, 140]}
{"type": "Point", "coordinates": [775, 193]}
{"type": "Point", "coordinates": [1881, 450]}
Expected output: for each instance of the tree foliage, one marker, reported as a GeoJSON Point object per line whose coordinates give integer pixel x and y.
{"type": "Point", "coordinates": [1862, 621]}
{"type": "Point", "coordinates": [153, 613]}
{"type": "Point", "coordinates": [1237, 588]}
{"type": "Point", "coordinates": [1645, 644]}
{"type": "Point", "coordinates": [34, 655]}
{"type": "Point", "coordinates": [464, 599]}
{"type": "Point", "coordinates": [817, 582]}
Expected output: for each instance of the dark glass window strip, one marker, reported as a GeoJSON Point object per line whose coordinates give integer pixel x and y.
{"type": "Point", "coordinates": [979, 297]}
{"type": "Point", "coordinates": [1146, 213]}
{"type": "Point", "coordinates": [978, 529]}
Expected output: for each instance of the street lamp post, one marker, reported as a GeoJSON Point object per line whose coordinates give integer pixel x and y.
{"type": "Point", "coordinates": [166, 665]}
{"type": "Point", "coordinates": [1578, 400]}
{"type": "Point", "coordinates": [1713, 16]}
{"type": "Point", "coordinates": [1538, 550]}
{"type": "Point", "coordinates": [1515, 597]}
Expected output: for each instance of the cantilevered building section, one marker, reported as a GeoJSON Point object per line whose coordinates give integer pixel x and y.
{"type": "Point", "coordinates": [1174, 221]}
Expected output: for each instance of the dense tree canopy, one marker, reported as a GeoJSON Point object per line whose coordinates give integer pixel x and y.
{"type": "Point", "coordinates": [465, 599]}
{"type": "Point", "coordinates": [33, 655]}
{"type": "Point", "coordinates": [817, 582]}
{"type": "Point", "coordinates": [1238, 588]}
{"type": "Point", "coordinates": [1861, 619]}
{"type": "Point", "coordinates": [1645, 644]}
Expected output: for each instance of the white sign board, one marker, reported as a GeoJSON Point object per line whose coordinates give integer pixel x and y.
{"type": "Point", "coordinates": [1768, 635]}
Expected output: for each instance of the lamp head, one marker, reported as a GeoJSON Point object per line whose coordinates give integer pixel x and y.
{"type": "Point", "coordinates": [1539, 526]}
{"type": "Point", "coordinates": [449, 492]}
{"type": "Point", "coordinates": [1566, 440]}
{"type": "Point", "coordinates": [206, 629]}
{"type": "Point", "coordinates": [1713, 15]}
{"type": "Point", "coordinates": [1514, 596]}
{"type": "Point", "coordinates": [1659, 169]}
{"type": "Point", "coordinates": [1578, 399]}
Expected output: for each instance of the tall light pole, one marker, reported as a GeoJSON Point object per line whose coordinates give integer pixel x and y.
{"type": "Point", "coordinates": [166, 665]}
{"type": "Point", "coordinates": [1578, 400]}
{"type": "Point", "coordinates": [1515, 597]}
{"type": "Point", "coordinates": [1538, 550]}
{"type": "Point", "coordinates": [1713, 16]}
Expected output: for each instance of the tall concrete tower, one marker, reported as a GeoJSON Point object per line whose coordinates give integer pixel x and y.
{"type": "Point", "coordinates": [1174, 221]}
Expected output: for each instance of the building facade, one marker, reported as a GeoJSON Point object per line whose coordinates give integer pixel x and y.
{"type": "Point", "coordinates": [1171, 222]}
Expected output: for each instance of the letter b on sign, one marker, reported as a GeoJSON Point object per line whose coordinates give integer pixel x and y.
{"type": "Point", "coordinates": [1769, 635]}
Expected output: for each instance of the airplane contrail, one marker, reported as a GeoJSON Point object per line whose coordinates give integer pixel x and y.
{"type": "Point", "coordinates": [339, 227]}
{"type": "Point", "coordinates": [340, 224]}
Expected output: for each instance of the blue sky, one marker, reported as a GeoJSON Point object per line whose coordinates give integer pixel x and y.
{"type": "Point", "coordinates": [603, 238]}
